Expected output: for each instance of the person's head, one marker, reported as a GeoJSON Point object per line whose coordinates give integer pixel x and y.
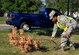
{"type": "Point", "coordinates": [53, 16]}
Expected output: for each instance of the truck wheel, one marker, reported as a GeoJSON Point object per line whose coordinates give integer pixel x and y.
{"type": "Point", "coordinates": [25, 26]}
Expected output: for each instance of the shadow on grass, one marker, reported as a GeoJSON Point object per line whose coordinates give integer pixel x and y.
{"type": "Point", "coordinates": [41, 31]}
{"type": "Point", "coordinates": [48, 31]}
{"type": "Point", "coordinates": [43, 49]}
{"type": "Point", "coordinates": [45, 31]}
{"type": "Point", "coordinates": [76, 45]}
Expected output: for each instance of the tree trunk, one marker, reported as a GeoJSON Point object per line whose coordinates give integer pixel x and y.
{"type": "Point", "coordinates": [68, 7]}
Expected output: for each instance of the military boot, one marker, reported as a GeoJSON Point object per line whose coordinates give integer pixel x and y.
{"type": "Point", "coordinates": [72, 47]}
{"type": "Point", "coordinates": [62, 48]}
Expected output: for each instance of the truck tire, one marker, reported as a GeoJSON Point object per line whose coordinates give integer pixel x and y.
{"type": "Point", "coordinates": [25, 26]}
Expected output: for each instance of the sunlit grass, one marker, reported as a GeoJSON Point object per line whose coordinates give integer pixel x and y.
{"type": "Point", "coordinates": [2, 20]}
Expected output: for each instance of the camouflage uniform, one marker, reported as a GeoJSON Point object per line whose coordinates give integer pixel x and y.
{"type": "Point", "coordinates": [69, 24]}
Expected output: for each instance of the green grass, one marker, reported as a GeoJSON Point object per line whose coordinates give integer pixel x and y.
{"type": "Point", "coordinates": [2, 20]}
{"type": "Point", "coordinates": [43, 35]}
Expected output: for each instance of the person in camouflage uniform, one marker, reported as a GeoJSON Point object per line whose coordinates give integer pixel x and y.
{"type": "Point", "coordinates": [68, 24]}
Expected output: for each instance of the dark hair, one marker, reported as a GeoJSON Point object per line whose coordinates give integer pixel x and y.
{"type": "Point", "coordinates": [55, 14]}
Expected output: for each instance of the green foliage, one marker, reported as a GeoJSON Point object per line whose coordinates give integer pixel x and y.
{"type": "Point", "coordinates": [63, 4]}
{"type": "Point", "coordinates": [58, 4]}
{"type": "Point", "coordinates": [21, 5]}
{"type": "Point", "coordinates": [74, 5]}
{"type": "Point", "coordinates": [33, 6]}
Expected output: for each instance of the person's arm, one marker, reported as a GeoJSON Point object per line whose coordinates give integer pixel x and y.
{"type": "Point", "coordinates": [54, 30]}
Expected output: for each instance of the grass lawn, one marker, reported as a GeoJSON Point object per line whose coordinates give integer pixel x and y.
{"type": "Point", "coordinates": [2, 20]}
{"type": "Point", "coordinates": [43, 35]}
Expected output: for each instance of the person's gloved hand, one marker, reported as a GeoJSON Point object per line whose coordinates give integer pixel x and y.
{"type": "Point", "coordinates": [52, 38]}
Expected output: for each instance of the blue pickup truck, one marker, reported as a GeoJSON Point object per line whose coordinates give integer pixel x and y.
{"type": "Point", "coordinates": [26, 21]}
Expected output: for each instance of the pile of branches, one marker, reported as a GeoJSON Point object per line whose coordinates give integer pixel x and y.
{"type": "Point", "coordinates": [23, 42]}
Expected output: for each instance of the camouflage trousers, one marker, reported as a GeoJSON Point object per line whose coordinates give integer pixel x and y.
{"type": "Point", "coordinates": [65, 37]}
{"type": "Point", "coordinates": [66, 42]}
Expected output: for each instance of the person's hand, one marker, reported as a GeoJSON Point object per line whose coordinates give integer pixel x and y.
{"type": "Point", "coordinates": [52, 38]}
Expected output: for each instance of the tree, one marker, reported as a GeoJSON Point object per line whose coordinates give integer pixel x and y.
{"type": "Point", "coordinates": [74, 5]}
{"type": "Point", "coordinates": [21, 5]}
{"type": "Point", "coordinates": [1, 11]}
{"type": "Point", "coordinates": [63, 5]}
{"type": "Point", "coordinates": [33, 6]}
{"type": "Point", "coordinates": [58, 4]}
